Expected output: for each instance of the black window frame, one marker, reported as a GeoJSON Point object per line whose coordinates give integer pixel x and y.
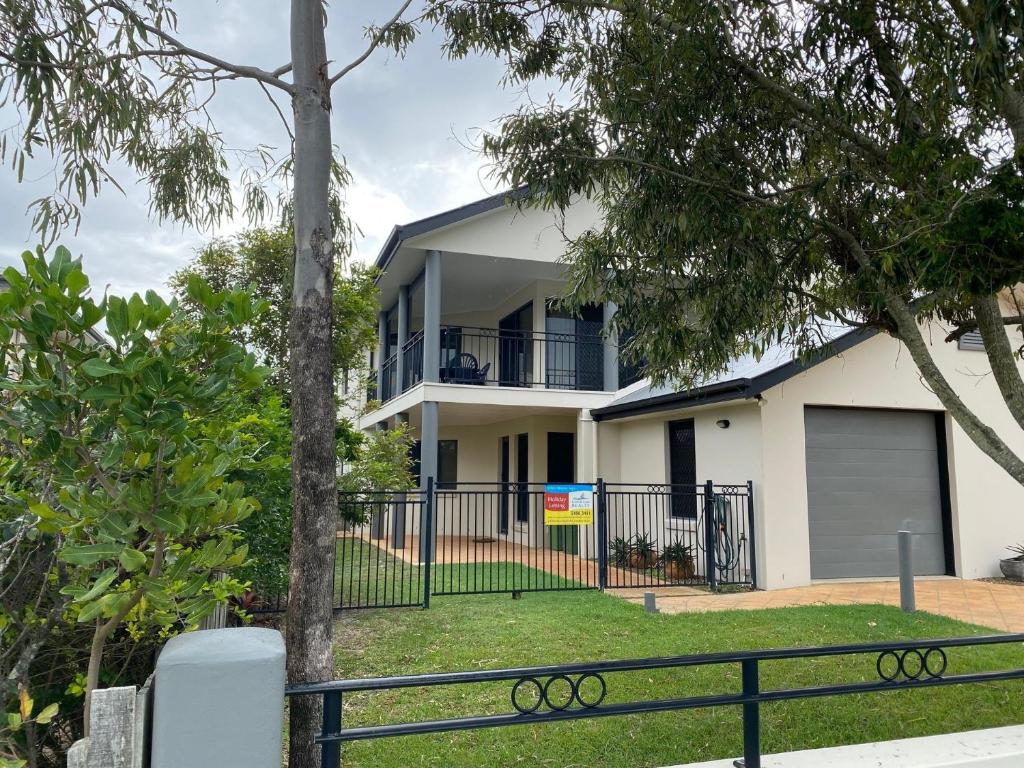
{"type": "Point", "coordinates": [683, 478]}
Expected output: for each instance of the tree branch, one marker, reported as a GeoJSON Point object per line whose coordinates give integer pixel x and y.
{"type": "Point", "coordinates": [909, 333]}
{"type": "Point", "coordinates": [1000, 355]}
{"type": "Point", "coordinates": [374, 43]}
{"type": "Point", "coordinates": [964, 328]}
{"type": "Point", "coordinates": [179, 48]}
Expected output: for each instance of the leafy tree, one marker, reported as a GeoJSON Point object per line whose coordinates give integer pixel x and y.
{"type": "Point", "coordinates": [767, 168]}
{"type": "Point", "coordinates": [261, 260]}
{"type": "Point", "coordinates": [99, 82]}
{"type": "Point", "coordinates": [130, 506]}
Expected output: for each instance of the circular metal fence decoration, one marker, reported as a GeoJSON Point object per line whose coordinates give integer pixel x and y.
{"type": "Point", "coordinates": [911, 664]}
{"type": "Point", "coordinates": [558, 693]}
{"type": "Point", "coordinates": [535, 703]}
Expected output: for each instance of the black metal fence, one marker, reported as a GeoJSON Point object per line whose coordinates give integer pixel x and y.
{"type": "Point", "coordinates": [491, 537]}
{"type": "Point", "coordinates": [397, 549]}
{"type": "Point", "coordinates": [680, 534]}
{"type": "Point", "coordinates": [578, 691]}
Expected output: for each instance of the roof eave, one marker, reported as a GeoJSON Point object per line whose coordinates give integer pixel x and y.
{"type": "Point", "coordinates": [735, 389]}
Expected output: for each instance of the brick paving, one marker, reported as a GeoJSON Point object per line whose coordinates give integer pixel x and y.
{"type": "Point", "coordinates": [990, 604]}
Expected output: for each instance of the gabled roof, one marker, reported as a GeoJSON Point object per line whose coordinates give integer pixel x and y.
{"type": "Point", "coordinates": [744, 378]}
{"type": "Point", "coordinates": [404, 232]}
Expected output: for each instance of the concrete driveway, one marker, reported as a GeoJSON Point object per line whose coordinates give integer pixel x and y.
{"type": "Point", "coordinates": [990, 604]}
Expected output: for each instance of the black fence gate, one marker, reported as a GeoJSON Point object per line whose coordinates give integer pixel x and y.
{"type": "Point", "coordinates": [397, 549]}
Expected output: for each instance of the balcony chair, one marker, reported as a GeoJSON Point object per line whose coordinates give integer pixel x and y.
{"type": "Point", "coordinates": [464, 369]}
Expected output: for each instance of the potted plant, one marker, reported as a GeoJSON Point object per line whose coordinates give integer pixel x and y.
{"type": "Point", "coordinates": [678, 562]}
{"type": "Point", "coordinates": [1013, 567]}
{"type": "Point", "coordinates": [644, 553]}
{"type": "Point", "coordinates": [620, 549]}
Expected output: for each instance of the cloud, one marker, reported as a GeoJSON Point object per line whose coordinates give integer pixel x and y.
{"type": "Point", "coordinates": [401, 124]}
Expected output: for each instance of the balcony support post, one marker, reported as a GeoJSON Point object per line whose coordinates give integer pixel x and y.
{"type": "Point", "coordinates": [432, 318]}
{"type": "Point", "coordinates": [611, 350]}
{"type": "Point", "coordinates": [382, 352]}
{"type": "Point", "coordinates": [428, 455]}
{"type": "Point", "coordinates": [403, 336]}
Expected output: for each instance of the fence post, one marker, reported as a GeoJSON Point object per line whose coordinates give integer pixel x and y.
{"type": "Point", "coordinates": [330, 751]}
{"type": "Point", "coordinates": [426, 540]}
{"type": "Point", "coordinates": [602, 535]}
{"type": "Point", "coordinates": [710, 535]}
{"type": "Point", "coordinates": [751, 717]}
{"type": "Point", "coordinates": [752, 541]}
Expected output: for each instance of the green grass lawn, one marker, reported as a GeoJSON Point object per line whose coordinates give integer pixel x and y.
{"type": "Point", "coordinates": [368, 575]}
{"type": "Point", "coordinates": [492, 631]}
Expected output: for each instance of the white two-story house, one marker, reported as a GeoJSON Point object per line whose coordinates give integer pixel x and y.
{"type": "Point", "coordinates": [839, 452]}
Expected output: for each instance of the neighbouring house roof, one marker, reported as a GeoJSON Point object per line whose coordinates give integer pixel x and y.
{"type": "Point", "coordinates": [744, 378]}
{"type": "Point", "coordinates": [403, 232]}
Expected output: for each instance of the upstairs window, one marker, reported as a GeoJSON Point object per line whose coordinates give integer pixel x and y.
{"type": "Point", "coordinates": [971, 341]}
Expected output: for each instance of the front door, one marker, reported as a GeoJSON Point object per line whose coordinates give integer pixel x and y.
{"type": "Point", "coordinates": [562, 469]}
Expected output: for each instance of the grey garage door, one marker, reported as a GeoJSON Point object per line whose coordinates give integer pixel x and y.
{"type": "Point", "coordinates": [871, 473]}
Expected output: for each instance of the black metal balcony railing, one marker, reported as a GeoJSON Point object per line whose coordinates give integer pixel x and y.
{"type": "Point", "coordinates": [504, 358]}
{"type": "Point", "coordinates": [412, 361]}
{"type": "Point", "coordinates": [389, 378]}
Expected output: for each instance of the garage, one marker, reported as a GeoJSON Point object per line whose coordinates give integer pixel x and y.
{"type": "Point", "coordinates": [871, 473]}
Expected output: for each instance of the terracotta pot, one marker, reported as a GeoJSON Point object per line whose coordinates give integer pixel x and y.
{"type": "Point", "coordinates": [1012, 568]}
{"type": "Point", "coordinates": [637, 560]}
{"type": "Point", "coordinates": [683, 571]}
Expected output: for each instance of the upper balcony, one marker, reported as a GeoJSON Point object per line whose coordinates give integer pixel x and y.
{"type": "Point", "coordinates": [503, 357]}
{"type": "Point", "coordinates": [467, 299]}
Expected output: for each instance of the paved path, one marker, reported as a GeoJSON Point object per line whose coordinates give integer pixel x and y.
{"type": "Point", "coordinates": [990, 604]}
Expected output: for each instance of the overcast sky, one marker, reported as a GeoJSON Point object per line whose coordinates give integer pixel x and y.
{"type": "Point", "coordinates": [404, 126]}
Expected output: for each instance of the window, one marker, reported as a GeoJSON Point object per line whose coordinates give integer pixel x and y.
{"type": "Point", "coordinates": [972, 341]}
{"type": "Point", "coordinates": [447, 463]}
{"type": "Point", "coordinates": [682, 455]}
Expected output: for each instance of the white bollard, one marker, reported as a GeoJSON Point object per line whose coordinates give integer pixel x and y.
{"type": "Point", "coordinates": [220, 700]}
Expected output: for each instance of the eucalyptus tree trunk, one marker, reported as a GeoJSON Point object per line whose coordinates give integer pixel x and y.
{"type": "Point", "coordinates": [314, 492]}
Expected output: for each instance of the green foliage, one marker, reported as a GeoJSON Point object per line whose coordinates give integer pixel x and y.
{"type": "Point", "coordinates": [773, 170]}
{"type": "Point", "coordinates": [113, 461]}
{"type": "Point", "coordinates": [677, 553]}
{"type": "Point", "coordinates": [113, 84]}
{"type": "Point", "coordinates": [262, 261]}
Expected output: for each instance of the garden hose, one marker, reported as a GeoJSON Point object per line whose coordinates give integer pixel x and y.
{"type": "Point", "coordinates": [727, 553]}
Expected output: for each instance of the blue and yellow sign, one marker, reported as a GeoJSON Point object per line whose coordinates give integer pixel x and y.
{"type": "Point", "coordinates": [569, 504]}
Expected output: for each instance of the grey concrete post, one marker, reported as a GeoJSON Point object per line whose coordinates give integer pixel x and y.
{"type": "Point", "coordinates": [432, 316]}
{"type": "Point", "coordinates": [403, 335]}
{"type": "Point", "coordinates": [650, 602]}
{"type": "Point", "coordinates": [428, 455]}
{"type": "Point", "coordinates": [907, 600]}
{"type": "Point", "coordinates": [382, 350]}
{"type": "Point", "coordinates": [611, 350]}
{"type": "Point", "coordinates": [220, 700]}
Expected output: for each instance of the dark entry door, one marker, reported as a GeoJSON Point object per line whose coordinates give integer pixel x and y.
{"type": "Point", "coordinates": [562, 469]}
{"type": "Point", "coordinates": [503, 502]}
{"type": "Point", "coordinates": [515, 347]}
{"type": "Point", "coordinates": [522, 478]}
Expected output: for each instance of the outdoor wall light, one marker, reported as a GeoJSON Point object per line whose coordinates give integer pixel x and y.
{"type": "Point", "coordinates": [723, 423]}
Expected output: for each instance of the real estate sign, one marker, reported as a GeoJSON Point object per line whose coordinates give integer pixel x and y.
{"type": "Point", "coordinates": [569, 504]}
